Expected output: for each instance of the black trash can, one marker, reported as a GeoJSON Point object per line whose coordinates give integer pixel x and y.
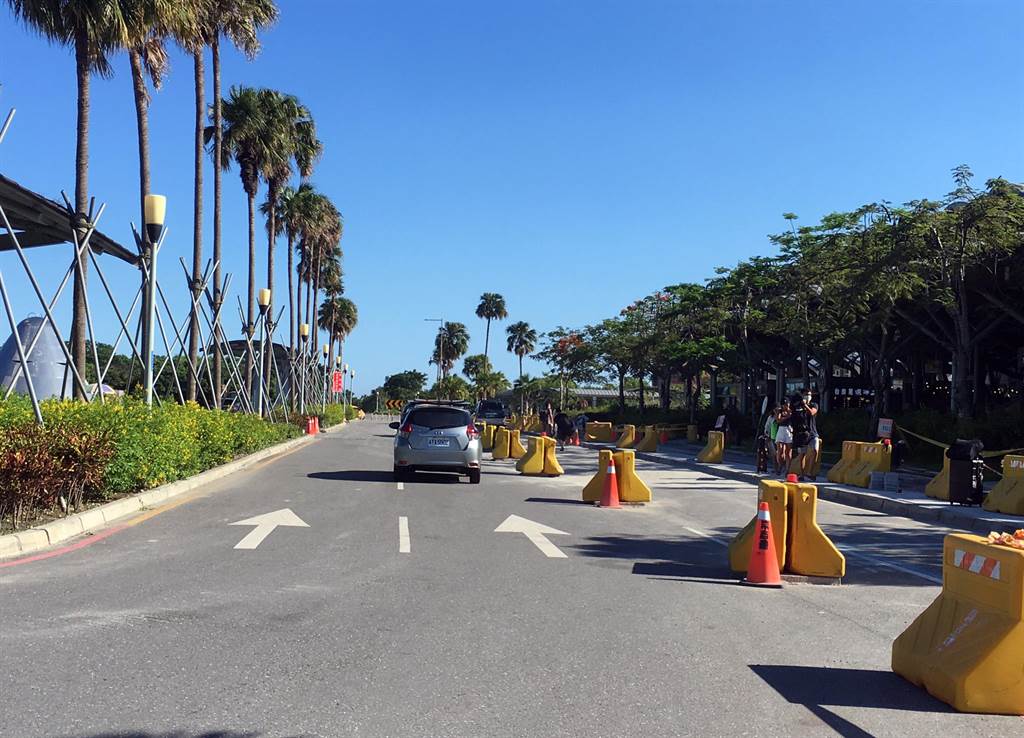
{"type": "Point", "coordinates": [966, 472]}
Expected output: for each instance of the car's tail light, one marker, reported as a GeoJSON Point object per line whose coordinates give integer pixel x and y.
{"type": "Point", "coordinates": [405, 430]}
{"type": "Point", "coordinates": [472, 432]}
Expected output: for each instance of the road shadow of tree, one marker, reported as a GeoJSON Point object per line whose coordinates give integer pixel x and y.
{"type": "Point", "coordinates": [173, 734]}
{"type": "Point", "coordinates": [354, 475]}
{"type": "Point", "coordinates": [820, 687]}
{"type": "Point", "coordinates": [682, 558]}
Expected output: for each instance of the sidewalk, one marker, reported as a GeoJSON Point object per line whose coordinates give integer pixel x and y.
{"type": "Point", "coordinates": [911, 503]}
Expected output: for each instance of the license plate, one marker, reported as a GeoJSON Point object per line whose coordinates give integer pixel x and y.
{"type": "Point", "coordinates": [443, 442]}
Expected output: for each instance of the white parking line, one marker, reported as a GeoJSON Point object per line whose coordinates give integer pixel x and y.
{"type": "Point", "coordinates": [401, 486]}
{"type": "Point", "coordinates": [404, 543]}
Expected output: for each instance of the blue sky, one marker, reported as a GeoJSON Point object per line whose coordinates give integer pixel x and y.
{"type": "Point", "coordinates": [572, 155]}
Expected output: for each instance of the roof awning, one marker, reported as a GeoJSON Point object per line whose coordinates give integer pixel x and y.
{"type": "Point", "coordinates": [39, 221]}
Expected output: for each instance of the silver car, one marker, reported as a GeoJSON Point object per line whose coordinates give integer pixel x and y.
{"type": "Point", "coordinates": [437, 437]}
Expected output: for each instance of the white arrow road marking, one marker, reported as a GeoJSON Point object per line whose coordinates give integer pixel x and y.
{"type": "Point", "coordinates": [536, 532]}
{"type": "Point", "coordinates": [404, 543]}
{"type": "Point", "coordinates": [265, 524]}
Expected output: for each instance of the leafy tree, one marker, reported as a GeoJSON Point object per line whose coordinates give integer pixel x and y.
{"type": "Point", "coordinates": [491, 307]}
{"type": "Point", "coordinates": [451, 342]}
{"type": "Point", "coordinates": [451, 387]}
{"type": "Point", "coordinates": [490, 383]}
{"type": "Point", "coordinates": [476, 365]}
{"type": "Point", "coordinates": [405, 385]}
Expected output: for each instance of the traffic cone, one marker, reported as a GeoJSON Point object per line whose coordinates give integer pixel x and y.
{"type": "Point", "coordinates": [792, 478]}
{"type": "Point", "coordinates": [763, 570]}
{"type": "Point", "coordinates": [610, 495]}
{"type": "Point", "coordinates": [664, 437]}
{"type": "Point", "coordinates": [576, 439]}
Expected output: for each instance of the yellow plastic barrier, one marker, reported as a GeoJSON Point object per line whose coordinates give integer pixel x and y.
{"type": "Point", "coordinates": [532, 424]}
{"type": "Point", "coordinates": [966, 647]}
{"type": "Point", "coordinates": [595, 487]}
{"type": "Point", "coordinates": [691, 433]}
{"type": "Point", "coordinates": [631, 487]}
{"type": "Point", "coordinates": [599, 432]}
{"type": "Point", "coordinates": [713, 452]}
{"type": "Point", "coordinates": [551, 466]}
{"type": "Point", "coordinates": [777, 497]}
{"type": "Point", "coordinates": [502, 439]}
{"type": "Point", "coordinates": [648, 441]}
{"type": "Point", "coordinates": [800, 544]}
{"type": "Point", "coordinates": [794, 464]}
{"type": "Point", "coordinates": [627, 437]}
{"type": "Point", "coordinates": [874, 457]}
{"type": "Point", "coordinates": [1008, 494]}
{"type": "Point", "coordinates": [515, 446]}
{"type": "Point", "coordinates": [938, 487]}
{"type": "Point", "coordinates": [487, 437]}
{"type": "Point", "coordinates": [849, 459]}
{"type": "Point", "coordinates": [532, 463]}
{"type": "Point", "coordinates": [809, 551]}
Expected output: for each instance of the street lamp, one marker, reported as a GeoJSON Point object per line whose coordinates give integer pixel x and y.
{"type": "Point", "coordinates": [303, 336]}
{"type": "Point", "coordinates": [263, 298]}
{"type": "Point", "coordinates": [155, 211]}
{"type": "Point", "coordinates": [440, 346]}
{"type": "Point", "coordinates": [327, 361]}
{"type": "Point", "coordinates": [351, 385]}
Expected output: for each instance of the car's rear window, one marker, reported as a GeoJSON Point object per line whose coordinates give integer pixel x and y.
{"type": "Point", "coordinates": [439, 417]}
{"type": "Point", "coordinates": [489, 406]}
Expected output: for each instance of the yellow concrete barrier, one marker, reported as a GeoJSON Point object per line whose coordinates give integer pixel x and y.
{"type": "Point", "coordinates": [966, 647]}
{"type": "Point", "coordinates": [874, 457]}
{"type": "Point", "coordinates": [777, 497]}
{"type": "Point", "coordinates": [515, 446]}
{"type": "Point", "coordinates": [938, 487]}
{"type": "Point", "coordinates": [487, 437]}
{"type": "Point", "coordinates": [627, 437]}
{"type": "Point", "coordinates": [533, 424]}
{"type": "Point", "coordinates": [809, 551]}
{"type": "Point", "coordinates": [502, 438]}
{"type": "Point", "coordinates": [648, 441]}
{"type": "Point", "coordinates": [713, 452]}
{"type": "Point", "coordinates": [631, 487]}
{"type": "Point", "coordinates": [849, 459]}
{"type": "Point", "coordinates": [795, 468]}
{"type": "Point", "coordinates": [1008, 494]}
{"type": "Point", "coordinates": [800, 544]}
{"type": "Point", "coordinates": [599, 432]}
{"type": "Point", "coordinates": [551, 466]}
{"type": "Point", "coordinates": [532, 463]}
{"type": "Point", "coordinates": [595, 487]}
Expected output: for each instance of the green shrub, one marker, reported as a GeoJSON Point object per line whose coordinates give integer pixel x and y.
{"type": "Point", "coordinates": [117, 447]}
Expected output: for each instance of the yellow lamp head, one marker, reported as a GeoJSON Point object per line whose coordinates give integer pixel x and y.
{"type": "Point", "coordinates": [155, 208]}
{"type": "Point", "coordinates": [264, 297]}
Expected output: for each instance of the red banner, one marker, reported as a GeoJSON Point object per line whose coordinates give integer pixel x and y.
{"type": "Point", "coordinates": [337, 381]}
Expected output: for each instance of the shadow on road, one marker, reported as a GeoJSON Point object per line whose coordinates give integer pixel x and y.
{"type": "Point", "coordinates": [816, 687]}
{"type": "Point", "coordinates": [354, 475]}
{"type": "Point", "coordinates": [664, 558]}
{"type": "Point", "coordinates": [174, 734]}
{"type": "Point", "coordinates": [558, 501]}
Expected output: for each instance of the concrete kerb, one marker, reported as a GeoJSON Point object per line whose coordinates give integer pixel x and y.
{"type": "Point", "coordinates": [951, 516]}
{"type": "Point", "coordinates": [44, 536]}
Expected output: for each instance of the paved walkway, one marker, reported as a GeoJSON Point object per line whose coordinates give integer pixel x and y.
{"type": "Point", "coordinates": [910, 503]}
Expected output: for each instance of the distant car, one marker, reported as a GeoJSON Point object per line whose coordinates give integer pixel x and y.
{"type": "Point", "coordinates": [437, 437]}
{"type": "Point", "coordinates": [491, 410]}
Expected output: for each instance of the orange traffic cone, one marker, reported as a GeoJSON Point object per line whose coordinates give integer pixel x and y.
{"type": "Point", "coordinates": [793, 478]}
{"type": "Point", "coordinates": [763, 570]}
{"type": "Point", "coordinates": [576, 439]}
{"type": "Point", "coordinates": [610, 495]}
{"type": "Point", "coordinates": [309, 425]}
{"type": "Point", "coordinates": [664, 437]}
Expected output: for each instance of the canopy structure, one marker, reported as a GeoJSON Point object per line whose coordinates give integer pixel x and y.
{"type": "Point", "coordinates": [39, 221]}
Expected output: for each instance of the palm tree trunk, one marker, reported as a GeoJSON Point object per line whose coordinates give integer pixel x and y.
{"type": "Point", "coordinates": [271, 241]}
{"type": "Point", "coordinates": [142, 123]}
{"type": "Point", "coordinates": [291, 314]}
{"type": "Point", "coordinates": [197, 219]}
{"type": "Point", "coordinates": [217, 145]}
{"type": "Point", "coordinates": [487, 336]}
{"type": "Point", "coordinates": [78, 327]}
{"type": "Point", "coordinates": [251, 308]}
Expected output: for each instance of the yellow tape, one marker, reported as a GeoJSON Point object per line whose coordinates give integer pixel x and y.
{"type": "Point", "coordinates": [940, 444]}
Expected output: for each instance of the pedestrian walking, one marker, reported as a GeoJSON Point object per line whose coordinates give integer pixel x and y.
{"type": "Point", "coordinates": [783, 438]}
{"type": "Point", "coordinates": [805, 432]}
{"type": "Point", "coordinates": [547, 419]}
{"type": "Point", "coordinates": [771, 429]}
{"type": "Point", "coordinates": [564, 428]}
{"type": "Point", "coordinates": [580, 422]}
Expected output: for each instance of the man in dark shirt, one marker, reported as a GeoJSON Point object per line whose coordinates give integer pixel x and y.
{"type": "Point", "coordinates": [563, 428]}
{"type": "Point", "coordinates": [805, 432]}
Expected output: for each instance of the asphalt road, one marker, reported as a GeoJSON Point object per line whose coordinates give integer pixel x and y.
{"type": "Point", "coordinates": [360, 625]}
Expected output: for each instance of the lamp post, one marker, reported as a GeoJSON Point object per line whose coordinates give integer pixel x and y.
{"type": "Point", "coordinates": [327, 366]}
{"type": "Point", "coordinates": [264, 302]}
{"type": "Point", "coordinates": [351, 385]}
{"type": "Point", "coordinates": [303, 336]}
{"type": "Point", "coordinates": [344, 373]}
{"type": "Point", "coordinates": [155, 209]}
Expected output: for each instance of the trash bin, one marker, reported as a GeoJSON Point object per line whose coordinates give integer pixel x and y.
{"type": "Point", "coordinates": [966, 472]}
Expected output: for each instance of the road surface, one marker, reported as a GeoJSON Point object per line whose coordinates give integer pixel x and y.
{"type": "Point", "coordinates": [312, 596]}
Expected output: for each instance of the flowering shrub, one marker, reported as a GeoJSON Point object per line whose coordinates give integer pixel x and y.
{"type": "Point", "coordinates": [95, 451]}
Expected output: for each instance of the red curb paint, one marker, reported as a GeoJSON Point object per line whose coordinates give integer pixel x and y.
{"type": "Point", "coordinates": [66, 549]}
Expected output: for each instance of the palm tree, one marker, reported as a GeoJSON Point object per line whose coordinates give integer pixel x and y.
{"type": "Point", "coordinates": [522, 339]}
{"type": "Point", "coordinates": [320, 252]}
{"type": "Point", "coordinates": [452, 342]}
{"type": "Point", "coordinates": [93, 28]}
{"type": "Point", "coordinates": [245, 141]}
{"type": "Point", "coordinates": [294, 214]}
{"type": "Point", "coordinates": [338, 317]}
{"type": "Point", "coordinates": [476, 365]}
{"type": "Point", "coordinates": [491, 307]}
{"type": "Point", "coordinates": [239, 21]}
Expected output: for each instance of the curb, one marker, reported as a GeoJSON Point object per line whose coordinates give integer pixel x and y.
{"type": "Point", "coordinates": [49, 534]}
{"type": "Point", "coordinates": [948, 516]}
